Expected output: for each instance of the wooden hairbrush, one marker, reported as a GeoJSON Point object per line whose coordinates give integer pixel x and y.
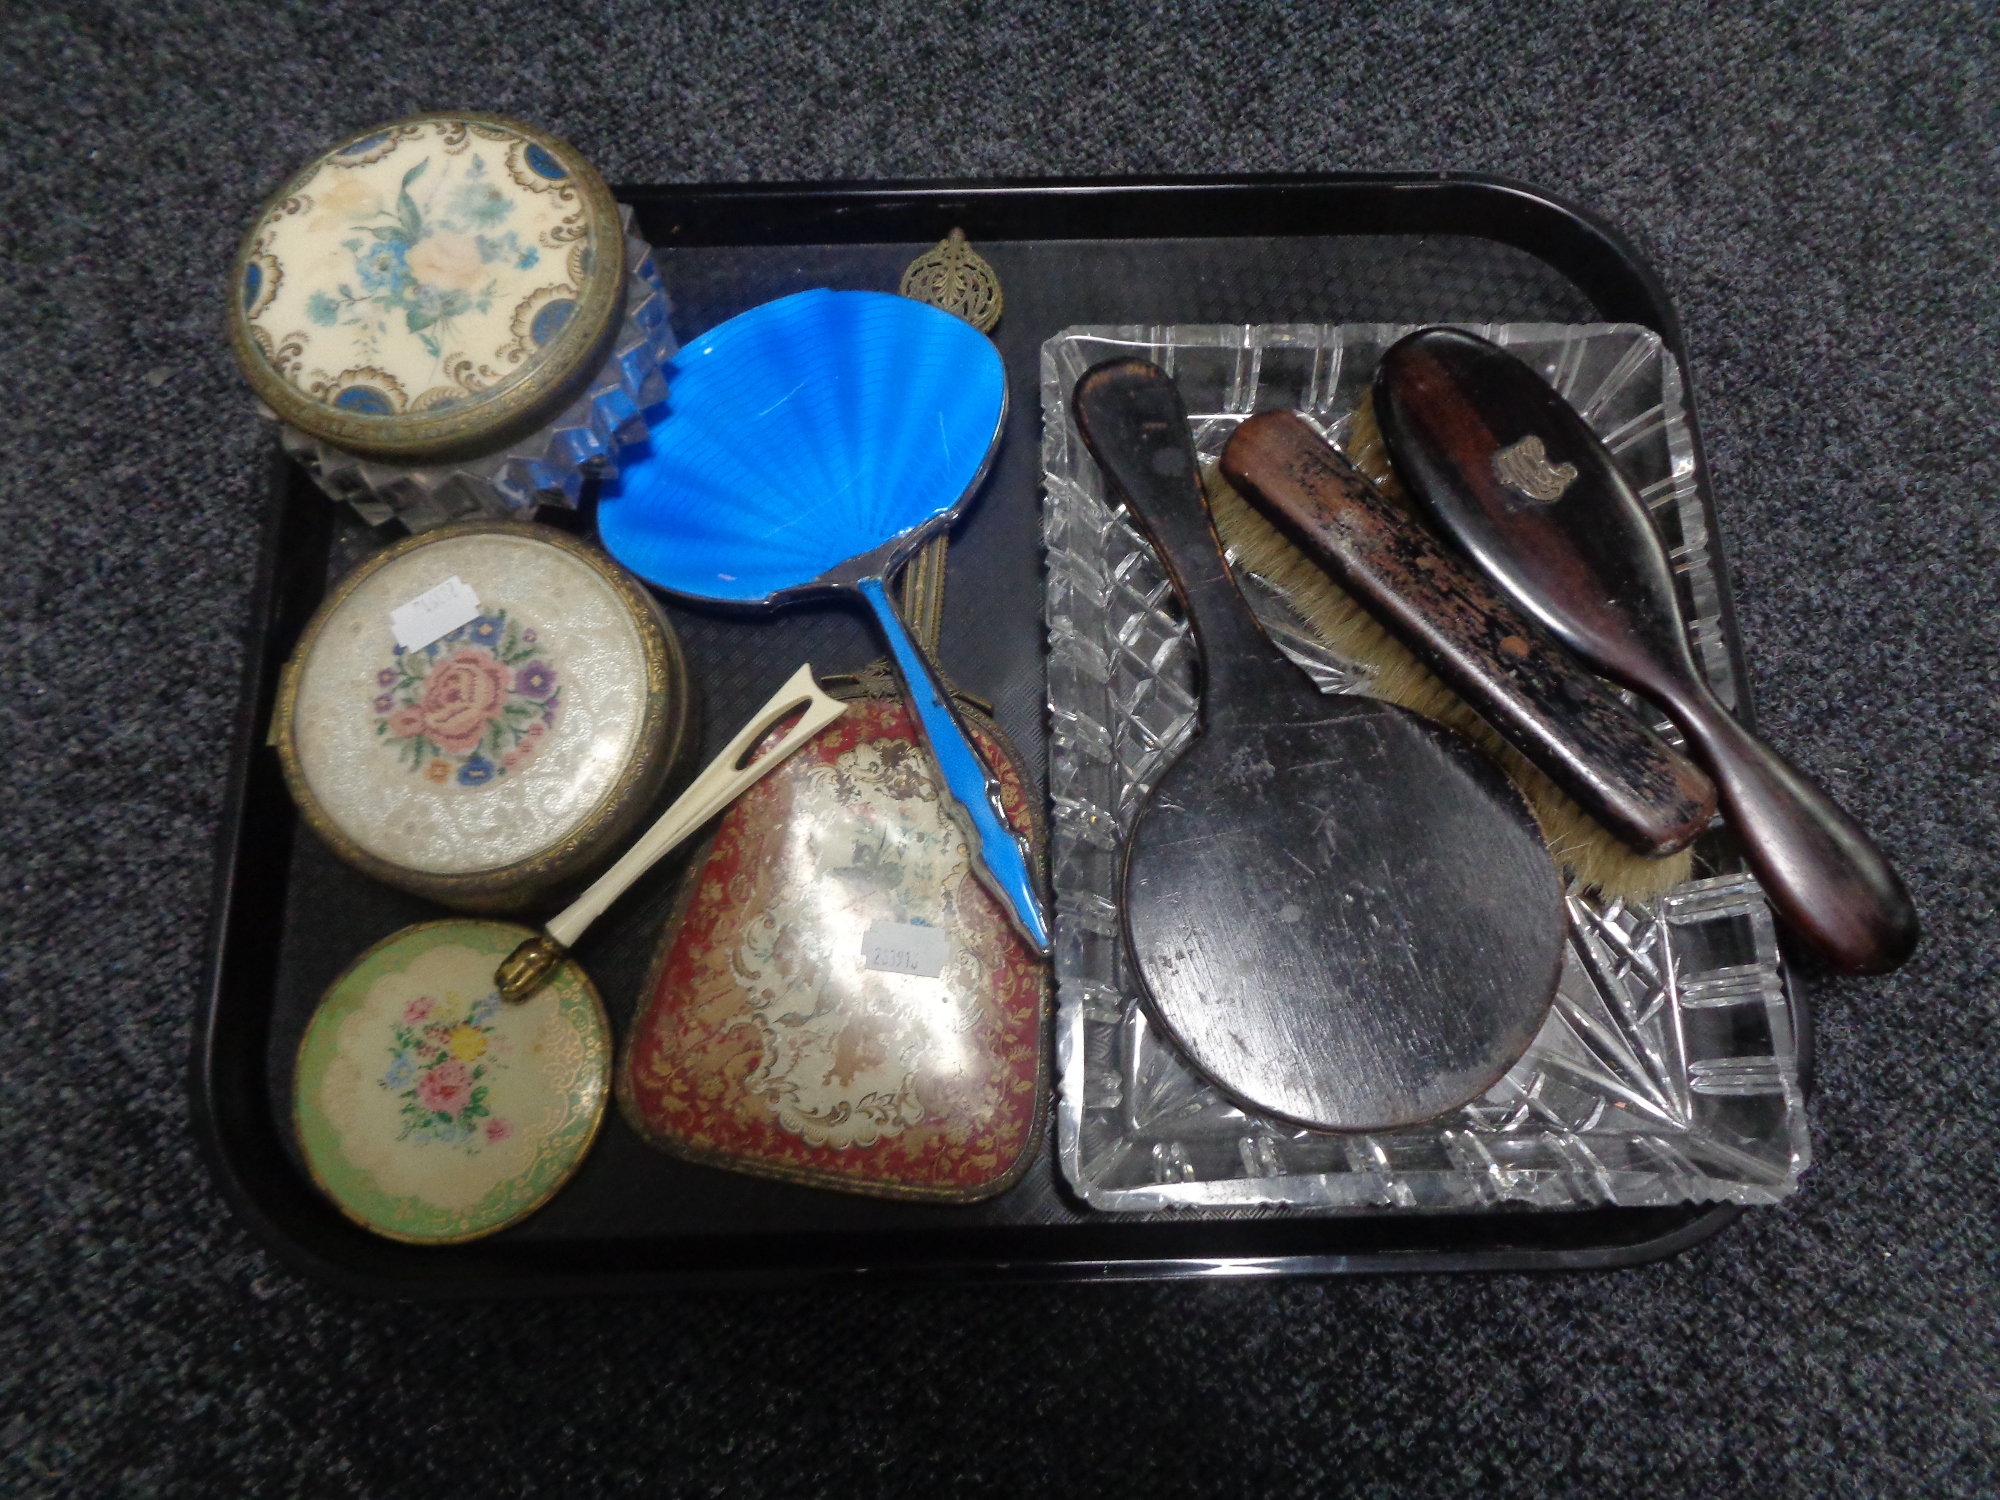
{"type": "Point", "coordinates": [1507, 469]}
{"type": "Point", "coordinates": [1522, 683]}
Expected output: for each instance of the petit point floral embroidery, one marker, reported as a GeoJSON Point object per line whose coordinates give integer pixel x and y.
{"type": "Point", "coordinates": [440, 1067]}
{"type": "Point", "coordinates": [473, 707]}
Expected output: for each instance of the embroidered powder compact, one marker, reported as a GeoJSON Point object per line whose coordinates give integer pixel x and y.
{"type": "Point", "coordinates": [836, 1000]}
{"type": "Point", "coordinates": [451, 1080]}
{"type": "Point", "coordinates": [449, 316]}
{"type": "Point", "coordinates": [431, 1111]}
{"type": "Point", "coordinates": [478, 714]}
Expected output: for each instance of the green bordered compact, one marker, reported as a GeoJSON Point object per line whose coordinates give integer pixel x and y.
{"type": "Point", "coordinates": [432, 1111]}
{"type": "Point", "coordinates": [449, 316]}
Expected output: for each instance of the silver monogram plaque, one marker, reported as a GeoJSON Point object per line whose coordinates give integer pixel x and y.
{"type": "Point", "coordinates": [1525, 468]}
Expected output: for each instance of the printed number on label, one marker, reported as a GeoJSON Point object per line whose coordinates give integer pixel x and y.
{"type": "Point", "coordinates": [434, 612]}
{"type": "Point", "coordinates": [905, 948]}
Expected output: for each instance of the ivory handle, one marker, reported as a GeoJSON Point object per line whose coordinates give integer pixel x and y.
{"type": "Point", "coordinates": [724, 779]}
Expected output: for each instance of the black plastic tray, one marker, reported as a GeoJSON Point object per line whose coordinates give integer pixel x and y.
{"type": "Point", "coordinates": [288, 917]}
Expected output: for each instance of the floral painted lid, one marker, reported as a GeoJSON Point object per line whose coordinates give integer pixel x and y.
{"type": "Point", "coordinates": [429, 289]}
{"type": "Point", "coordinates": [432, 1111]}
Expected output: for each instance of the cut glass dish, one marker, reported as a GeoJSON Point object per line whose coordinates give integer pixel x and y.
{"type": "Point", "coordinates": [1668, 1070]}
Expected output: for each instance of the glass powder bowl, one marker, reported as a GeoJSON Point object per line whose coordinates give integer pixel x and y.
{"type": "Point", "coordinates": [450, 317]}
{"type": "Point", "coordinates": [481, 713]}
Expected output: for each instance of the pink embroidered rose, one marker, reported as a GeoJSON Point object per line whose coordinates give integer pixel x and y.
{"type": "Point", "coordinates": [417, 1010]}
{"type": "Point", "coordinates": [406, 723]}
{"type": "Point", "coordinates": [497, 1131]}
{"type": "Point", "coordinates": [445, 1088]}
{"type": "Point", "coordinates": [463, 694]}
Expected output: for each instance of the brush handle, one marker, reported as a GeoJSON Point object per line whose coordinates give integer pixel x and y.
{"type": "Point", "coordinates": [1130, 417]}
{"type": "Point", "coordinates": [1822, 873]}
{"type": "Point", "coordinates": [997, 857]}
{"type": "Point", "coordinates": [1508, 669]}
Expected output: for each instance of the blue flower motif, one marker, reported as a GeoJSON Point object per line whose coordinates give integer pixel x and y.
{"type": "Point", "coordinates": [448, 1133]}
{"type": "Point", "coordinates": [483, 204]}
{"type": "Point", "coordinates": [507, 247]}
{"type": "Point", "coordinates": [486, 629]}
{"type": "Point", "coordinates": [382, 267]}
{"type": "Point", "coordinates": [485, 1010]}
{"type": "Point", "coordinates": [400, 1073]}
{"type": "Point", "coordinates": [434, 306]}
{"type": "Point", "coordinates": [477, 771]}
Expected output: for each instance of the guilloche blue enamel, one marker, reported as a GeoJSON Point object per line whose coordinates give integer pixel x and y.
{"type": "Point", "coordinates": [802, 434]}
{"type": "Point", "coordinates": [996, 854]}
{"type": "Point", "coordinates": [806, 434]}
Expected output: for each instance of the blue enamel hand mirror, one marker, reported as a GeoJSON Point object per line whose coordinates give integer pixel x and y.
{"type": "Point", "coordinates": [810, 446]}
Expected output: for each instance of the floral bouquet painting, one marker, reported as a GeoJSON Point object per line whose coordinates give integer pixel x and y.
{"type": "Point", "coordinates": [472, 707]}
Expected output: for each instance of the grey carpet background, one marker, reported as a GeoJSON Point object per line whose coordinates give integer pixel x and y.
{"type": "Point", "coordinates": [1819, 196]}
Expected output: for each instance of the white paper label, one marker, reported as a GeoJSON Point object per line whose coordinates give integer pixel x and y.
{"type": "Point", "coordinates": [905, 948]}
{"type": "Point", "coordinates": [433, 613]}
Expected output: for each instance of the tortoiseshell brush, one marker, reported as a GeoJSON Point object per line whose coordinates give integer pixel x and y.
{"type": "Point", "coordinates": [1655, 799]}
{"type": "Point", "coordinates": [1506, 468]}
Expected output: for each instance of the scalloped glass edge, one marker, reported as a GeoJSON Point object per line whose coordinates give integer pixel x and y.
{"type": "Point", "coordinates": [1668, 1069]}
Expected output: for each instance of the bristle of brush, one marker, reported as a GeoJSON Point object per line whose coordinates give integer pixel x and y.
{"type": "Point", "coordinates": [1593, 856]}
{"type": "Point", "coordinates": [1365, 450]}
